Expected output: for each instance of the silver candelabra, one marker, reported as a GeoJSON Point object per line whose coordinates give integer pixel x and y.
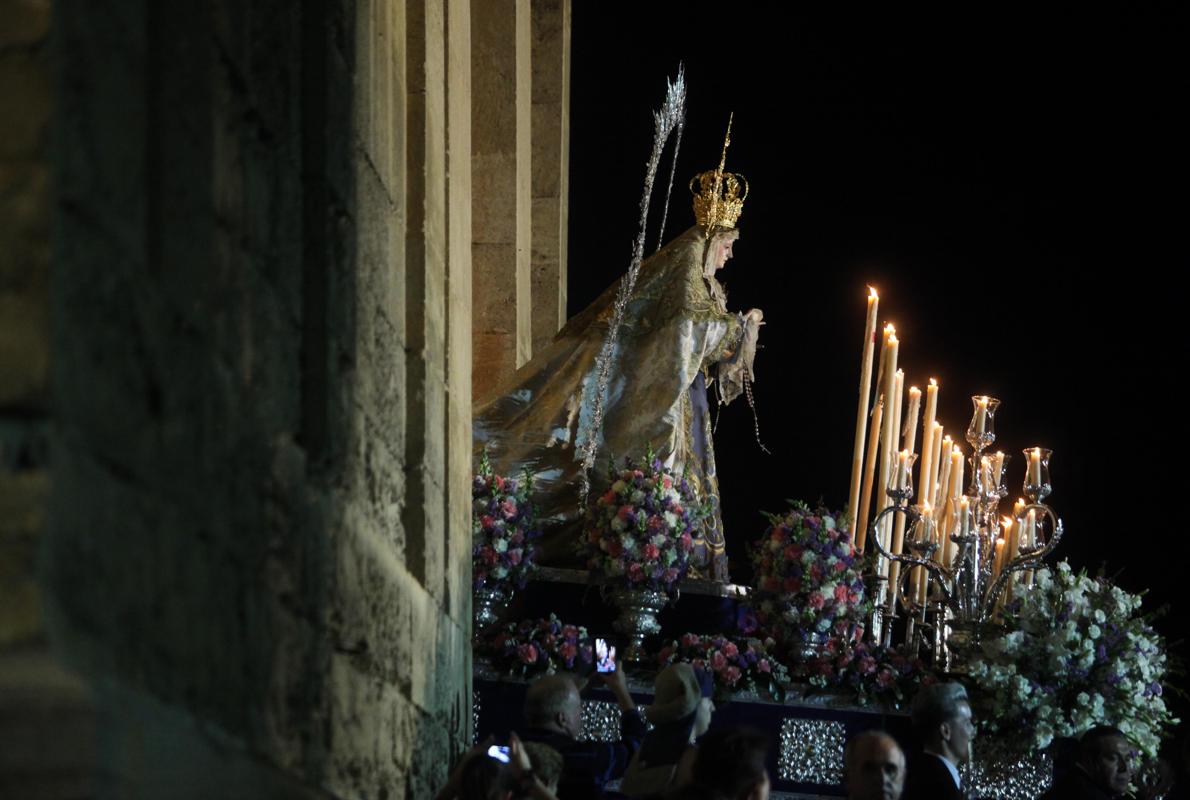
{"type": "Point", "coordinates": [959, 579]}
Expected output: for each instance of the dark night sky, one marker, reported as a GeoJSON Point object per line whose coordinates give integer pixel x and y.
{"type": "Point", "coordinates": [1014, 189]}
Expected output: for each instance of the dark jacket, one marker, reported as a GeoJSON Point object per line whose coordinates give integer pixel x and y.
{"type": "Point", "coordinates": [1076, 785]}
{"type": "Point", "coordinates": [588, 766]}
{"type": "Point", "coordinates": [927, 778]}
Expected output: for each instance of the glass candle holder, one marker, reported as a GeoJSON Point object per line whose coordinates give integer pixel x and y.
{"type": "Point", "coordinates": [900, 479]}
{"type": "Point", "coordinates": [1037, 473]}
{"type": "Point", "coordinates": [981, 433]}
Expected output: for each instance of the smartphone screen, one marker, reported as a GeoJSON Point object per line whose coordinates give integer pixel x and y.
{"type": "Point", "coordinates": [605, 656]}
{"type": "Point", "coordinates": [498, 752]}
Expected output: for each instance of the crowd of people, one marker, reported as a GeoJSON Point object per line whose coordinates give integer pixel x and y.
{"type": "Point", "coordinates": [668, 750]}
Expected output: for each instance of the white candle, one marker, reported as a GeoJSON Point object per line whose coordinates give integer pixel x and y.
{"type": "Point", "coordinates": [862, 516]}
{"type": "Point", "coordinates": [902, 469]}
{"type": "Point", "coordinates": [998, 467]}
{"type": "Point", "coordinates": [981, 416]}
{"type": "Point", "coordinates": [1035, 467]}
{"type": "Point", "coordinates": [865, 391]}
{"type": "Point", "coordinates": [926, 472]}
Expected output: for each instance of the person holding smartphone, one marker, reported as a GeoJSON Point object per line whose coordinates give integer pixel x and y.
{"type": "Point", "coordinates": [553, 716]}
{"type": "Point", "coordinates": [492, 771]}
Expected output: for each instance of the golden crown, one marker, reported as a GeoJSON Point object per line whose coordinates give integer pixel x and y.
{"type": "Point", "coordinates": [718, 201]}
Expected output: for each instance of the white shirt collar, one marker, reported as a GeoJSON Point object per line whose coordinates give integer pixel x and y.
{"type": "Point", "coordinates": [954, 771]}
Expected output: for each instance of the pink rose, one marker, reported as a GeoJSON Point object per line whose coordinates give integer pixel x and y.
{"type": "Point", "coordinates": [624, 512]}
{"type": "Point", "coordinates": [816, 572]}
{"type": "Point", "coordinates": [778, 534]}
{"type": "Point", "coordinates": [651, 551]}
{"type": "Point", "coordinates": [656, 522]}
{"type": "Point", "coordinates": [488, 554]}
{"type": "Point", "coordinates": [509, 508]}
{"type": "Point", "coordinates": [839, 566]}
{"type": "Point", "coordinates": [636, 573]}
{"type": "Point", "coordinates": [867, 665]}
{"type": "Point", "coordinates": [486, 521]}
{"type": "Point", "coordinates": [667, 481]}
{"type": "Point", "coordinates": [568, 651]}
{"type": "Point", "coordinates": [677, 509]}
{"type": "Point", "coordinates": [514, 556]}
{"type": "Point", "coordinates": [569, 631]}
{"type": "Point", "coordinates": [718, 661]}
{"type": "Point", "coordinates": [841, 593]}
{"type": "Point", "coordinates": [732, 674]}
{"type": "Point", "coordinates": [817, 601]}
{"type": "Point", "coordinates": [764, 666]}
{"type": "Point", "coordinates": [671, 575]}
{"type": "Point", "coordinates": [498, 482]}
{"type": "Point", "coordinates": [527, 653]}
{"type": "Point", "coordinates": [853, 597]}
{"type": "Point", "coordinates": [687, 542]}
{"type": "Point", "coordinates": [885, 678]}
{"type": "Point", "coordinates": [689, 640]}
{"type": "Point", "coordinates": [730, 650]}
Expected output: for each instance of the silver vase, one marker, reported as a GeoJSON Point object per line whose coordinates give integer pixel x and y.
{"type": "Point", "coordinates": [488, 606]}
{"type": "Point", "coordinates": [812, 646]}
{"type": "Point", "coordinates": [638, 618]}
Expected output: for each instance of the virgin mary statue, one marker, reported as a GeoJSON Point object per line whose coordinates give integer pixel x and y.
{"type": "Point", "coordinates": [676, 341]}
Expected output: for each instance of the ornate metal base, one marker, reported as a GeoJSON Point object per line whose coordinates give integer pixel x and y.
{"type": "Point", "coordinates": [638, 619]}
{"type": "Point", "coordinates": [997, 771]}
{"type": "Point", "coordinates": [488, 605]}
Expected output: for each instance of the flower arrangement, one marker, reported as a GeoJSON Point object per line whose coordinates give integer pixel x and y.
{"type": "Point", "coordinates": [871, 673]}
{"type": "Point", "coordinates": [641, 530]}
{"type": "Point", "coordinates": [537, 647]}
{"type": "Point", "coordinates": [503, 527]}
{"type": "Point", "coordinates": [1075, 652]}
{"type": "Point", "coordinates": [742, 664]}
{"type": "Point", "coordinates": [808, 574]}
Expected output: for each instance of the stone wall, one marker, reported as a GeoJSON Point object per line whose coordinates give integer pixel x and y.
{"type": "Point", "coordinates": [252, 356]}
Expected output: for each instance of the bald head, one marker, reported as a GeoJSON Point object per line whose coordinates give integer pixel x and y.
{"type": "Point", "coordinates": [874, 767]}
{"type": "Point", "coordinates": [553, 703]}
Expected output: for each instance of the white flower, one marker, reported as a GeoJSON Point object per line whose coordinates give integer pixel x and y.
{"type": "Point", "coordinates": [499, 544]}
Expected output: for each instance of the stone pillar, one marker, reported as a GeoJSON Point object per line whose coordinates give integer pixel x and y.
{"type": "Point", "coordinates": [458, 313]}
{"type": "Point", "coordinates": [501, 204]}
{"type": "Point", "coordinates": [551, 148]}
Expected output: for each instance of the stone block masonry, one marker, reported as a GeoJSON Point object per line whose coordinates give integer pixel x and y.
{"type": "Point", "coordinates": [235, 340]}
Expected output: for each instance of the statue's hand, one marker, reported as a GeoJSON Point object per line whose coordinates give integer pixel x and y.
{"type": "Point", "coordinates": [755, 315]}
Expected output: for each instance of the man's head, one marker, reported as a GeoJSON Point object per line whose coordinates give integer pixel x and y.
{"type": "Point", "coordinates": [730, 762]}
{"type": "Point", "coordinates": [1105, 754]}
{"type": "Point", "coordinates": [552, 703]}
{"type": "Point", "coordinates": [546, 763]}
{"type": "Point", "coordinates": [942, 718]}
{"type": "Point", "coordinates": [874, 767]}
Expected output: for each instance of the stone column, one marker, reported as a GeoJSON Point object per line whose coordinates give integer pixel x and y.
{"type": "Point", "coordinates": [501, 200]}
{"type": "Point", "coordinates": [551, 147]}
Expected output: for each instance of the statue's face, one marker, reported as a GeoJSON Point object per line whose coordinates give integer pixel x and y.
{"type": "Point", "coordinates": [723, 245]}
